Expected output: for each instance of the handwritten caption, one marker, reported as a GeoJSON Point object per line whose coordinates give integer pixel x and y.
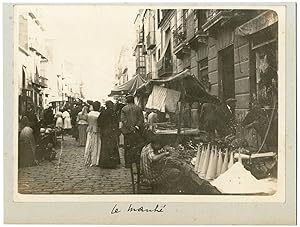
{"type": "Point", "coordinates": [132, 208]}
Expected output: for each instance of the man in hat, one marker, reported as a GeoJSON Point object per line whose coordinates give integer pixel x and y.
{"type": "Point", "coordinates": [132, 122]}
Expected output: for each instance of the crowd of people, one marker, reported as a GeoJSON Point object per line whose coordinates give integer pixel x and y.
{"type": "Point", "coordinates": [98, 127]}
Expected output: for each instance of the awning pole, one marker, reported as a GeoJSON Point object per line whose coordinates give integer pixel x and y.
{"type": "Point", "coordinates": [180, 110]}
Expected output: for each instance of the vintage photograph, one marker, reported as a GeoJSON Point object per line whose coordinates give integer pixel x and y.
{"type": "Point", "coordinates": [131, 100]}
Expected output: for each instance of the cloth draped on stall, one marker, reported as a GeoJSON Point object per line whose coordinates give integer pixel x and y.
{"type": "Point", "coordinates": [157, 99]}
{"type": "Point", "coordinates": [172, 100]}
{"type": "Point", "coordinates": [163, 99]}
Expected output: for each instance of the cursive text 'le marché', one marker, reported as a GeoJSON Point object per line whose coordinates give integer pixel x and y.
{"type": "Point", "coordinates": [139, 209]}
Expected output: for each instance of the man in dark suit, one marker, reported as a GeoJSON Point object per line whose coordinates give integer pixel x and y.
{"type": "Point", "coordinates": [132, 120]}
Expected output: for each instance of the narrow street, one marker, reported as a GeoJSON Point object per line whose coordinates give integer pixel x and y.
{"type": "Point", "coordinates": [72, 177]}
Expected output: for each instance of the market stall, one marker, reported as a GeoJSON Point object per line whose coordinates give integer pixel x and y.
{"type": "Point", "coordinates": [178, 98]}
{"type": "Point", "coordinates": [129, 87]}
{"type": "Point", "coordinates": [234, 172]}
{"type": "Point", "coordinates": [223, 166]}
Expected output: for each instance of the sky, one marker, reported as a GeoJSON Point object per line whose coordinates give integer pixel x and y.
{"type": "Point", "coordinates": [91, 38]}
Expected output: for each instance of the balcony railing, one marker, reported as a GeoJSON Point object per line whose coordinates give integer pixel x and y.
{"type": "Point", "coordinates": [194, 31]}
{"type": "Point", "coordinates": [215, 16]}
{"type": "Point", "coordinates": [179, 35]}
{"type": "Point", "coordinates": [165, 67]}
{"type": "Point", "coordinates": [150, 40]}
{"type": "Point", "coordinates": [40, 81]}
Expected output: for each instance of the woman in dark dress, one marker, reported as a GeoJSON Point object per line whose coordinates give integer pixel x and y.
{"type": "Point", "coordinates": [109, 126]}
{"type": "Point", "coordinates": [27, 146]}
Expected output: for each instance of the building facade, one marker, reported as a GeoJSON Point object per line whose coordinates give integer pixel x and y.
{"type": "Point", "coordinates": [225, 49]}
{"type": "Point", "coordinates": [43, 75]}
{"type": "Point", "coordinates": [231, 52]}
{"type": "Point", "coordinates": [30, 59]}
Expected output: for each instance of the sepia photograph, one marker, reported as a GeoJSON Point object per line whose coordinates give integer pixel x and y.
{"type": "Point", "coordinates": [149, 101]}
{"type": "Point", "coordinates": [179, 101]}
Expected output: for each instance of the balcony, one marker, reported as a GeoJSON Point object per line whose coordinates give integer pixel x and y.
{"type": "Point", "coordinates": [165, 14]}
{"type": "Point", "coordinates": [194, 31]}
{"type": "Point", "coordinates": [194, 28]}
{"type": "Point", "coordinates": [150, 40]}
{"type": "Point", "coordinates": [179, 44]}
{"type": "Point", "coordinates": [165, 67]}
{"type": "Point", "coordinates": [40, 81]}
{"type": "Point", "coordinates": [216, 17]}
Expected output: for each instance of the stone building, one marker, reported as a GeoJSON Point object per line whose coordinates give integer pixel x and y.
{"type": "Point", "coordinates": [30, 59]}
{"type": "Point", "coordinates": [224, 49]}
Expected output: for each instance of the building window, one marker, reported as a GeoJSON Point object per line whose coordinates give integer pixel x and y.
{"type": "Point", "coordinates": [141, 71]}
{"type": "Point", "coordinates": [202, 68]}
{"type": "Point", "coordinates": [142, 61]}
{"type": "Point", "coordinates": [203, 73]}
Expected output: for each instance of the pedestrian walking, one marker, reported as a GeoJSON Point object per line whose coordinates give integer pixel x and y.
{"type": "Point", "coordinates": [67, 121]}
{"type": "Point", "coordinates": [82, 125]}
{"type": "Point", "coordinates": [132, 122]}
{"type": "Point", "coordinates": [27, 145]}
{"type": "Point", "coordinates": [59, 120]}
{"type": "Point", "coordinates": [48, 116]}
{"type": "Point", "coordinates": [109, 127]}
{"type": "Point", "coordinates": [93, 143]}
{"type": "Point", "coordinates": [74, 114]}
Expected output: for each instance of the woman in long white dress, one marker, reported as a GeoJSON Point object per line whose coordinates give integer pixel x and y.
{"type": "Point", "coordinates": [67, 120]}
{"type": "Point", "coordinates": [93, 143]}
{"type": "Point", "coordinates": [59, 121]}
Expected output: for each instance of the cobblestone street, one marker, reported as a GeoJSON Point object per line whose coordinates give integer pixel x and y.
{"type": "Point", "coordinates": [72, 177]}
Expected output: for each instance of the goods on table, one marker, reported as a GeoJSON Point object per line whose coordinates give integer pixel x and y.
{"type": "Point", "coordinates": [184, 153]}
{"type": "Point", "coordinates": [237, 180]}
{"type": "Point", "coordinates": [220, 167]}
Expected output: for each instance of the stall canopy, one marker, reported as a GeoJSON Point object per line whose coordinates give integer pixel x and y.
{"type": "Point", "coordinates": [194, 89]}
{"type": "Point", "coordinates": [129, 87]}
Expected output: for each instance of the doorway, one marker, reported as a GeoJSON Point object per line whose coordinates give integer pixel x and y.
{"type": "Point", "coordinates": [226, 73]}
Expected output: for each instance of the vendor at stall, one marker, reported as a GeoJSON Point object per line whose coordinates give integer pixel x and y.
{"type": "Point", "coordinates": [153, 170]}
{"type": "Point", "coordinates": [167, 174]}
